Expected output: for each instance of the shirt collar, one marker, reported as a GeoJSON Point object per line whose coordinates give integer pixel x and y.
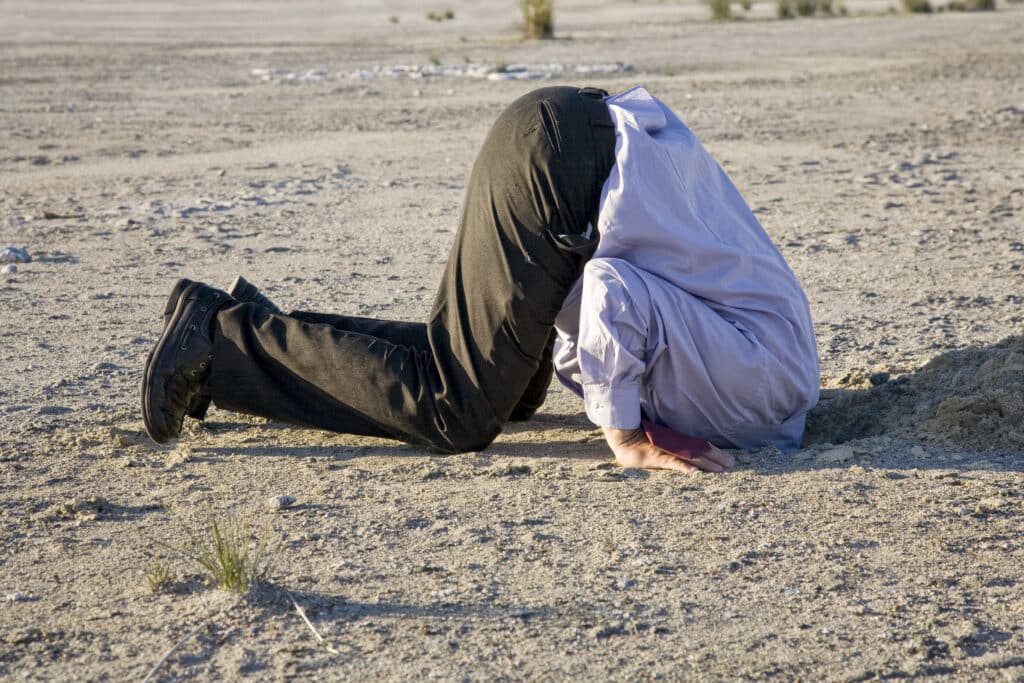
{"type": "Point", "coordinates": [641, 106]}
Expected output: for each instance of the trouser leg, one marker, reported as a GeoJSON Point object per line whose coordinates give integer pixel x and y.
{"type": "Point", "coordinates": [395, 331]}
{"type": "Point", "coordinates": [537, 388]}
{"type": "Point", "coordinates": [319, 376]}
{"type": "Point", "coordinates": [415, 334]}
{"type": "Point", "coordinates": [538, 178]}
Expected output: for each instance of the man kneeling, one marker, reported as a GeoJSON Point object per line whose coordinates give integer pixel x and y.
{"type": "Point", "coordinates": [599, 242]}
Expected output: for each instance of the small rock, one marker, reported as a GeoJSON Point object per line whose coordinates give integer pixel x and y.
{"type": "Point", "coordinates": [510, 470]}
{"type": "Point", "coordinates": [878, 378]}
{"type": "Point", "coordinates": [431, 473]}
{"type": "Point", "coordinates": [991, 504]}
{"type": "Point", "coordinates": [918, 452]}
{"type": "Point", "coordinates": [10, 269]}
{"type": "Point", "coordinates": [835, 455]}
{"type": "Point", "coordinates": [16, 597]}
{"type": "Point", "coordinates": [14, 255]}
{"type": "Point", "coordinates": [280, 502]}
{"type": "Point", "coordinates": [604, 632]}
{"type": "Point", "coordinates": [964, 629]}
{"type": "Point", "coordinates": [80, 509]}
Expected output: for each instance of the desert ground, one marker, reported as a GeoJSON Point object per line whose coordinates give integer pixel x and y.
{"type": "Point", "coordinates": [321, 149]}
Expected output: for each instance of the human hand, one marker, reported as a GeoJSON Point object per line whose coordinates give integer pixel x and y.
{"type": "Point", "coordinates": [632, 449]}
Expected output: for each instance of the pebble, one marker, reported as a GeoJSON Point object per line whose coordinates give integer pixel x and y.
{"type": "Point", "coordinates": [616, 628]}
{"type": "Point", "coordinates": [14, 255]}
{"type": "Point", "coordinates": [835, 455]}
{"type": "Point", "coordinates": [918, 452]}
{"type": "Point", "coordinates": [16, 597]}
{"type": "Point", "coordinates": [878, 378]}
{"type": "Point", "coordinates": [990, 504]}
{"type": "Point", "coordinates": [280, 502]}
{"type": "Point", "coordinates": [510, 470]}
{"type": "Point", "coordinates": [10, 269]}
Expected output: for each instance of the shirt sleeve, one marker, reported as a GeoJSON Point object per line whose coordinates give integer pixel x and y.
{"type": "Point", "coordinates": [613, 331]}
{"type": "Point", "coordinates": [565, 355]}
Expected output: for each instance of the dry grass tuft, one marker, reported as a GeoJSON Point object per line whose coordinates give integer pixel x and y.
{"type": "Point", "coordinates": [235, 558]}
{"type": "Point", "coordinates": [721, 10]}
{"type": "Point", "coordinates": [538, 19]}
{"type": "Point", "coordinates": [917, 6]}
{"type": "Point", "coordinates": [159, 574]}
{"type": "Point", "coordinates": [441, 15]}
{"type": "Point", "coordinates": [789, 9]}
{"type": "Point", "coordinates": [971, 6]}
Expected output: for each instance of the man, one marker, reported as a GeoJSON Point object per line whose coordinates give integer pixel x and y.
{"type": "Point", "coordinates": [688, 314]}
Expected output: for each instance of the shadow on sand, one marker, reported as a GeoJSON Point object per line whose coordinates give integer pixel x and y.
{"type": "Point", "coordinates": [967, 401]}
{"type": "Point", "coordinates": [971, 399]}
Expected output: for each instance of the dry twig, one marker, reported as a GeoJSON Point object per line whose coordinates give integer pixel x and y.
{"type": "Point", "coordinates": [302, 613]}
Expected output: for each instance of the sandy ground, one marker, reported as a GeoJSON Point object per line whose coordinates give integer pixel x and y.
{"type": "Point", "coordinates": [144, 141]}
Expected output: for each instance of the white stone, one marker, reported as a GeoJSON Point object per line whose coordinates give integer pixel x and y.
{"type": "Point", "coordinates": [280, 502]}
{"type": "Point", "coordinates": [835, 455]}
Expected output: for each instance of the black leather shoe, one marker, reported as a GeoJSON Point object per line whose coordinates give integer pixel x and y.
{"type": "Point", "coordinates": [243, 291]}
{"type": "Point", "coordinates": [246, 292]}
{"type": "Point", "coordinates": [179, 364]}
{"type": "Point", "coordinates": [201, 403]}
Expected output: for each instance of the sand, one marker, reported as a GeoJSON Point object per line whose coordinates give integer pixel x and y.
{"type": "Point", "coordinates": [322, 150]}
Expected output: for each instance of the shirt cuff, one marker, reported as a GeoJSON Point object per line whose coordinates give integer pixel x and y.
{"type": "Point", "coordinates": [617, 407]}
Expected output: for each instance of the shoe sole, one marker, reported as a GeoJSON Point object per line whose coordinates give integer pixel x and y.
{"type": "Point", "coordinates": [164, 434]}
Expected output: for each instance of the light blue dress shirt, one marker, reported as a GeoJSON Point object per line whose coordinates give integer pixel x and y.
{"type": "Point", "coordinates": [687, 311]}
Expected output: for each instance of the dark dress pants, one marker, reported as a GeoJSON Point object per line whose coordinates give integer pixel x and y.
{"type": "Point", "coordinates": [484, 355]}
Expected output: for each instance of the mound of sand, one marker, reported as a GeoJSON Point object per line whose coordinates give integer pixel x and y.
{"type": "Point", "coordinates": [972, 398]}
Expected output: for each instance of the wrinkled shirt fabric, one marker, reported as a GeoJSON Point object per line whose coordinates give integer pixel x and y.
{"type": "Point", "coordinates": [687, 313]}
